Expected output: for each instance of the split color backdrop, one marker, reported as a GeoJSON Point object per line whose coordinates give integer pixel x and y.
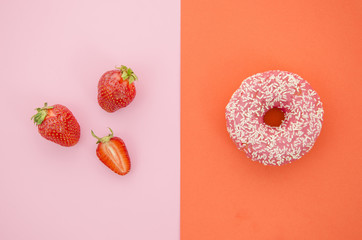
{"type": "Point", "coordinates": [55, 51]}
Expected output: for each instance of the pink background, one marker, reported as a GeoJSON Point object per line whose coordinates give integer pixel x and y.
{"type": "Point", "coordinates": [55, 52]}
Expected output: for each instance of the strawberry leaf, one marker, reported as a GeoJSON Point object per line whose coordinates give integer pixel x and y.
{"type": "Point", "coordinates": [103, 139]}
{"type": "Point", "coordinates": [127, 73]}
{"type": "Point", "coordinates": [124, 75]}
{"type": "Point", "coordinates": [131, 79]}
{"type": "Point", "coordinates": [41, 114]}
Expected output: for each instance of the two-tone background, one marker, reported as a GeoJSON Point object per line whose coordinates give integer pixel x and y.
{"type": "Point", "coordinates": [188, 181]}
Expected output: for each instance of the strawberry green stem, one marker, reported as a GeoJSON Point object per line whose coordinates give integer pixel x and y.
{"type": "Point", "coordinates": [103, 139]}
{"type": "Point", "coordinates": [41, 114]}
{"type": "Point", "coordinates": [127, 73]}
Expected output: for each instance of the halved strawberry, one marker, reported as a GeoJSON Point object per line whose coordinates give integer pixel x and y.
{"type": "Point", "coordinates": [116, 89]}
{"type": "Point", "coordinates": [113, 153]}
{"type": "Point", "coordinates": [57, 124]}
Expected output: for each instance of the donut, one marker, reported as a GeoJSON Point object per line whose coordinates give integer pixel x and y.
{"type": "Point", "coordinates": [257, 94]}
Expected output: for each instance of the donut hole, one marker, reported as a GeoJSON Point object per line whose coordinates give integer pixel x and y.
{"type": "Point", "coordinates": [274, 117]}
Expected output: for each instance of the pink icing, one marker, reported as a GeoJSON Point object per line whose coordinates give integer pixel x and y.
{"type": "Point", "coordinates": [303, 117]}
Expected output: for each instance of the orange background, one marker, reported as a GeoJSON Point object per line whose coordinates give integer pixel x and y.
{"type": "Point", "coordinates": [224, 195]}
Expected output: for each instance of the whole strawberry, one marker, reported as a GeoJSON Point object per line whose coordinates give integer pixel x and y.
{"type": "Point", "coordinates": [116, 89]}
{"type": "Point", "coordinates": [57, 124]}
{"type": "Point", "coordinates": [113, 153]}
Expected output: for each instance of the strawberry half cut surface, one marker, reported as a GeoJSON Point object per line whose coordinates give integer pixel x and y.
{"type": "Point", "coordinates": [113, 153]}
{"type": "Point", "coordinates": [116, 89]}
{"type": "Point", "coordinates": [57, 124]}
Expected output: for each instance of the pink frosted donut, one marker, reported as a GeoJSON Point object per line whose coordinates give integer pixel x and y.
{"type": "Point", "coordinates": [303, 117]}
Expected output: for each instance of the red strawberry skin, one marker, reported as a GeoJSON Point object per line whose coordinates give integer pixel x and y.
{"type": "Point", "coordinates": [115, 92]}
{"type": "Point", "coordinates": [60, 126]}
{"type": "Point", "coordinates": [112, 151]}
